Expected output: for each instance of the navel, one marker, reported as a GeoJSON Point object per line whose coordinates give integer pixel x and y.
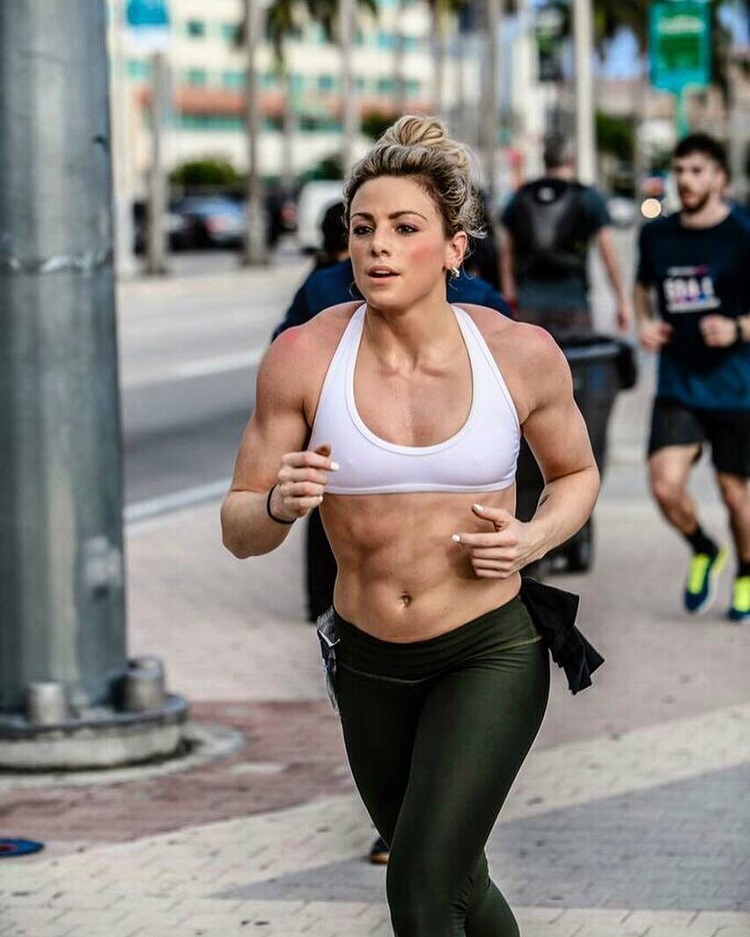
{"type": "Point", "coordinates": [405, 599]}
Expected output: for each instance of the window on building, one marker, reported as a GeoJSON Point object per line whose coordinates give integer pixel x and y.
{"type": "Point", "coordinates": [233, 79]}
{"type": "Point", "coordinates": [313, 123]}
{"type": "Point", "coordinates": [386, 85]}
{"type": "Point", "coordinates": [195, 28]}
{"type": "Point", "coordinates": [228, 31]}
{"type": "Point", "coordinates": [386, 41]}
{"type": "Point", "coordinates": [412, 88]}
{"type": "Point", "coordinates": [210, 122]}
{"type": "Point", "coordinates": [139, 70]}
{"type": "Point", "coordinates": [298, 83]}
{"type": "Point", "coordinates": [326, 83]}
{"type": "Point", "coordinates": [197, 77]}
{"type": "Point", "coordinates": [315, 33]}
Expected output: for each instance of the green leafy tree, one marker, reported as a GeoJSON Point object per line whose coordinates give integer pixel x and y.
{"type": "Point", "coordinates": [616, 136]}
{"type": "Point", "coordinates": [209, 172]}
{"type": "Point", "coordinates": [285, 19]}
{"type": "Point", "coordinates": [375, 123]}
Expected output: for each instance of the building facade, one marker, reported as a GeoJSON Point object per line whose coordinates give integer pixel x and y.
{"type": "Point", "coordinates": [207, 78]}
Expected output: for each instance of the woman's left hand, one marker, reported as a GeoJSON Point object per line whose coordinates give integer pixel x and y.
{"type": "Point", "coordinates": [718, 331]}
{"type": "Point", "coordinates": [499, 553]}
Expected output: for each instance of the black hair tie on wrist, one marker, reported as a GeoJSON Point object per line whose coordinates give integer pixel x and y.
{"type": "Point", "coordinates": [739, 337]}
{"type": "Point", "coordinates": [270, 513]}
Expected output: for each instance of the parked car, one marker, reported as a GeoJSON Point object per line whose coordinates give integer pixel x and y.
{"type": "Point", "coordinates": [209, 221]}
{"type": "Point", "coordinates": [315, 197]}
{"type": "Point", "coordinates": [172, 226]}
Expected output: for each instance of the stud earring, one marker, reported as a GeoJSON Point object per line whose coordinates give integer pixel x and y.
{"type": "Point", "coordinates": [455, 273]}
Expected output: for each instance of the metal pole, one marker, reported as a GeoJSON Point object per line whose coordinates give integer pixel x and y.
{"type": "Point", "coordinates": [583, 38]}
{"type": "Point", "coordinates": [349, 104]}
{"type": "Point", "coordinates": [492, 115]}
{"type": "Point", "coordinates": [156, 262]}
{"type": "Point", "coordinates": [62, 614]}
{"type": "Point", "coordinates": [254, 252]}
{"type": "Point", "coordinates": [288, 133]}
{"type": "Point", "coordinates": [738, 125]}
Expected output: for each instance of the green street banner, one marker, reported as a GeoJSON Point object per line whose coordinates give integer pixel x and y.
{"type": "Point", "coordinates": [679, 44]}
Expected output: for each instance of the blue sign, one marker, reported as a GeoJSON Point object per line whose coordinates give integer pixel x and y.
{"type": "Point", "coordinates": [147, 13]}
{"type": "Point", "coordinates": [148, 25]}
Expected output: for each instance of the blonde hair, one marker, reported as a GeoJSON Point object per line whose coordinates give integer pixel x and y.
{"type": "Point", "coordinates": [420, 147]}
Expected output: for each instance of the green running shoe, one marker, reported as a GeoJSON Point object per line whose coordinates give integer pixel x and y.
{"type": "Point", "coordinates": [740, 609]}
{"type": "Point", "coordinates": [700, 588]}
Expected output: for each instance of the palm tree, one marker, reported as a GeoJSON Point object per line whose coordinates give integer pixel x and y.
{"type": "Point", "coordinates": [444, 16]}
{"type": "Point", "coordinates": [282, 22]}
{"type": "Point", "coordinates": [399, 59]}
{"type": "Point", "coordinates": [254, 251]}
{"type": "Point", "coordinates": [337, 18]}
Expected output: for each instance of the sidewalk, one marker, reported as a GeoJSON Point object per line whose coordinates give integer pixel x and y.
{"type": "Point", "coordinates": [631, 816]}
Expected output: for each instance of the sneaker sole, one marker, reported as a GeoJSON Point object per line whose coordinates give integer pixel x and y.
{"type": "Point", "coordinates": [713, 577]}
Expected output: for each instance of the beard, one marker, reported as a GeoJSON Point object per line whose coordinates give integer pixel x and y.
{"type": "Point", "coordinates": [696, 206]}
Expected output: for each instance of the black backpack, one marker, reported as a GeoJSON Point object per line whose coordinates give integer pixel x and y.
{"type": "Point", "coordinates": [550, 234]}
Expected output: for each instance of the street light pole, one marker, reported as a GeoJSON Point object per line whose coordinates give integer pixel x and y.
{"type": "Point", "coordinates": [583, 40]}
{"type": "Point", "coordinates": [62, 580]}
{"type": "Point", "coordinates": [156, 248]}
{"type": "Point", "coordinates": [492, 116]}
{"type": "Point", "coordinates": [254, 252]}
{"type": "Point", "coordinates": [349, 104]}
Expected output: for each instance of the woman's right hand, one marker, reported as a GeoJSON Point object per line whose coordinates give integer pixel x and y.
{"type": "Point", "coordinates": [301, 483]}
{"type": "Point", "coordinates": [654, 335]}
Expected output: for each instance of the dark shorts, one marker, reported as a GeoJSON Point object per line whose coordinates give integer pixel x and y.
{"type": "Point", "coordinates": [727, 432]}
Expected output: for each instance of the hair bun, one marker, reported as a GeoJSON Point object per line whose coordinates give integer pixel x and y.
{"type": "Point", "coordinates": [415, 131]}
{"type": "Point", "coordinates": [419, 147]}
{"type": "Point", "coordinates": [427, 132]}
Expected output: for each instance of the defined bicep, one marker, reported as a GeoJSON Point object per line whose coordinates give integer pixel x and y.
{"type": "Point", "coordinates": [556, 431]}
{"type": "Point", "coordinates": [276, 427]}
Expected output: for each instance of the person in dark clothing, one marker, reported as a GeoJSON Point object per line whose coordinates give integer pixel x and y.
{"type": "Point", "coordinates": [334, 283]}
{"type": "Point", "coordinates": [547, 228]}
{"type": "Point", "coordinates": [484, 257]}
{"type": "Point", "coordinates": [692, 271]}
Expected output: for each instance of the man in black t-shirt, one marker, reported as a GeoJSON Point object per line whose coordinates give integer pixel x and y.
{"type": "Point", "coordinates": [694, 269]}
{"type": "Point", "coordinates": [547, 229]}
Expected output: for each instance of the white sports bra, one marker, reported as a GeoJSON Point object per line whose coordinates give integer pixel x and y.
{"type": "Point", "coordinates": [481, 456]}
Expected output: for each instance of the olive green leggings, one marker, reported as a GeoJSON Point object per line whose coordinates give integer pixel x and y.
{"type": "Point", "coordinates": [436, 732]}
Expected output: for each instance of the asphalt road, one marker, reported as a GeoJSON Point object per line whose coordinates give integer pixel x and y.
{"type": "Point", "coordinates": [189, 348]}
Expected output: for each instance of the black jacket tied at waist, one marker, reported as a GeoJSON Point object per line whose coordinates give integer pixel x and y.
{"type": "Point", "coordinates": [553, 612]}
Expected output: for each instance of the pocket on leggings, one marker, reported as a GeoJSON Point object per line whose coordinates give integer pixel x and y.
{"type": "Point", "coordinates": [328, 641]}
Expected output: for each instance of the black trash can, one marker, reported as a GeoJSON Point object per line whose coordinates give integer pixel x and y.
{"type": "Point", "coordinates": [601, 366]}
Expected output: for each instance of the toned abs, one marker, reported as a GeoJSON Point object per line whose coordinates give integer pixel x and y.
{"type": "Point", "coordinates": [411, 581]}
